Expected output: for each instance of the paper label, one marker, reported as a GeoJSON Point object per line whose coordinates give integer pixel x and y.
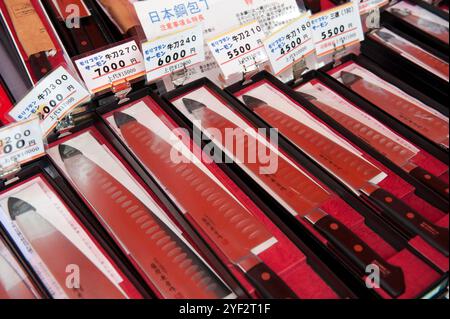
{"type": "Point", "coordinates": [20, 143]}
{"type": "Point", "coordinates": [101, 70]}
{"type": "Point", "coordinates": [174, 52]}
{"type": "Point", "coordinates": [240, 49]}
{"type": "Point", "coordinates": [337, 28]}
{"type": "Point", "coordinates": [290, 44]}
{"type": "Point", "coordinates": [53, 97]}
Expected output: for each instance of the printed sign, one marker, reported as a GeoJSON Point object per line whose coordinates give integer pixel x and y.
{"type": "Point", "coordinates": [239, 50]}
{"type": "Point", "coordinates": [53, 97]}
{"type": "Point", "coordinates": [337, 28]}
{"type": "Point", "coordinates": [100, 71]}
{"type": "Point", "coordinates": [172, 53]}
{"type": "Point", "coordinates": [20, 143]}
{"type": "Point", "coordinates": [290, 44]}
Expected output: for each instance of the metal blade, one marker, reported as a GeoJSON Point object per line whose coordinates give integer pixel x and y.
{"type": "Point", "coordinates": [168, 262]}
{"type": "Point", "coordinates": [343, 163]}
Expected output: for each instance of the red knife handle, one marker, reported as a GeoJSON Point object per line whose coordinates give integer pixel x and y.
{"type": "Point", "coordinates": [361, 255]}
{"type": "Point", "coordinates": [40, 65]}
{"type": "Point", "coordinates": [268, 284]}
{"type": "Point", "coordinates": [431, 181]}
{"type": "Point", "coordinates": [400, 212]}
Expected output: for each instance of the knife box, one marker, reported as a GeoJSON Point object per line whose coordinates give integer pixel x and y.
{"type": "Point", "coordinates": [292, 260]}
{"type": "Point", "coordinates": [5, 100]}
{"type": "Point", "coordinates": [15, 281]}
{"type": "Point", "coordinates": [395, 85]}
{"type": "Point", "coordinates": [55, 213]}
{"type": "Point", "coordinates": [313, 82]}
{"type": "Point", "coordinates": [419, 9]}
{"type": "Point", "coordinates": [94, 146]}
{"type": "Point", "coordinates": [369, 227]}
{"type": "Point", "coordinates": [55, 57]}
{"type": "Point", "coordinates": [409, 68]}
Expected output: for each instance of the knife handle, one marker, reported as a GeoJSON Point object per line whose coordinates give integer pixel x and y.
{"type": "Point", "coordinates": [431, 181]}
{"type": "Point", "coordinates": [339, 236]}
{"type": "Point", "coordinates": [81, 40]}
{"type": "Point", "coordinates": [40, 65]}
{"type": "Point", "coordinates": [268, 284]}
{"type": "Point", "coordinates": [400, 212]}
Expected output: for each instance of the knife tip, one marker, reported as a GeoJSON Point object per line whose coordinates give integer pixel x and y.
{"type": "Point", "coordinates": [349, 78]}
{"type": "Point", "coordinates": [18, 207]}
{"type": "Point", "coordinates": [307, 96]}
{"type": "Point", "coordinates": [121, 119]}
{"type": "Point", "coordinates": [192, 105]}
{"type": "Point", "coordinates": [66, 151]}
{"type": "Point", "coordinates": [252, 102]}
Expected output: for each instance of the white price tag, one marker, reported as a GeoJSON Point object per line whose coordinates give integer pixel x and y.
{"type": "Point", "coordinates": [174, 52]}
{"type": "Point", "coordinates": [367, 5]}
{"type": "Point", "coordinates": [239, 50]}
{"type": "Point", "coordinates": [290, 44]}
{"type": "Point", "coordinates": [20, 143]}
{"type": "Point", "coordinates": [337, 28]}
{"type": "Point", "coordinates": [101, 70]}
{"type": "Point", "coordinates": [54, 97]}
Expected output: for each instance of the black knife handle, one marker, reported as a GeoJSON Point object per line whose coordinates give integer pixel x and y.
{"type": "Point", "coordinates": [40, 65]}
{"type": "Point", "coordinates": [268, 284]}
{"type": "Point", "coordinates": [431, 181]}
{"type": "Point", "coordinates": [362, 256]}
{"type": "Point", "coordinates": [400, 212]}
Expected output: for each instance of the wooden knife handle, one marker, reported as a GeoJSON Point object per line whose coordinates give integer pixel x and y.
{"type": "Point", "coordinates": [431, 181]}
{"type": "Point", "coordinates": [40, 65]}
{"type": "Point", "coordinates": [400, 212]}
{"type": "Point", "coordinates": [362, 256]}
{"type": "Point", "coordinates": [268, 284]}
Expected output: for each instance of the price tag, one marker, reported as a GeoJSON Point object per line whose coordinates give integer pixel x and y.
{"type": "Point", "coordinates": [337, 28]}
{"type": "Point", "coordinates": [101, 70]}
{"type": "Point", "coordinates": [20, 143]}
{"type": "Point", "coordinates": [368, 5]}
{"type": "Point", "coordinates": [174, 52]}
{"type": "Point", "coordinates": [54, 97]}
{"type": "Point", "coordinates": [290, 44]}
{"type": "Point", "coordinates": [240, 49]}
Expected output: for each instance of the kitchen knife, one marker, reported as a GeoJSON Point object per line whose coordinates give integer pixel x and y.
{"type": "Point", "coordinates": [88, 37]}
{"type": "Point", "coordinates": [353, 170]}
{"type": "Point", "coordinates": [400, 44]}
{"type": "Point", "coordinates": [57, 252]}
{"type": "Point", "coordinates": [303, 196]}
{"type": "Point", "coordinates": [435, 29]}
{"type": "Point", "coordinates": [32, 35]}
{"type": "Point", "coordinates": [387, 146]}
{"type": "Point", "coordinates": [13, 284]}
{"type": "Point", "coordinates": [426, 123]}
{"type": "Point", "coordinates": [122, 12]}
{"type": "Point", "coordinates": [170, 264]}
{"type": "Point", "coordinates": [230, 226]}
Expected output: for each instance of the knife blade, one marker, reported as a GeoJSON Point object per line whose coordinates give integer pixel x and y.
{"type": "Point", "coordinates": [88, 36]}
{"type": "Point", "coordinates": [230, 226]}
{"type": "Point", "coordinates": [413, 116]}
{"type": "Point", "coordinates": [389, 147]}
{"type": "Point", "coordinates": [402, 45]}
{"type": "Point", "coordinates": [170, 264]}
{"type": "Point", "coordinates": [350, 168]}
{"type": "Point", "coordinates": [305, 197]}
{"type": "Point", "coordinates": [57, 252]}
{"type": "Point", "coordinates": [435, 29]}
{"type": "Point", "coordinates": [14, 284]}
{"type": "Point", "coordinates": [122, 12]}
{"type": "Point", "coordinates": [32, 35]}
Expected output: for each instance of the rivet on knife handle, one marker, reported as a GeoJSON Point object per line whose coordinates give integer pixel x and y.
{"type": "Point", "coordinates": [436, 236]}
{"type": "Point", "coordinates": [391, 277]}
{"type": "Point", "coordinates": [40, 65]}
{"type": "Point", "coordinates": [268, 284]}
{"type": "Point", "coordinates": [431, 181]}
